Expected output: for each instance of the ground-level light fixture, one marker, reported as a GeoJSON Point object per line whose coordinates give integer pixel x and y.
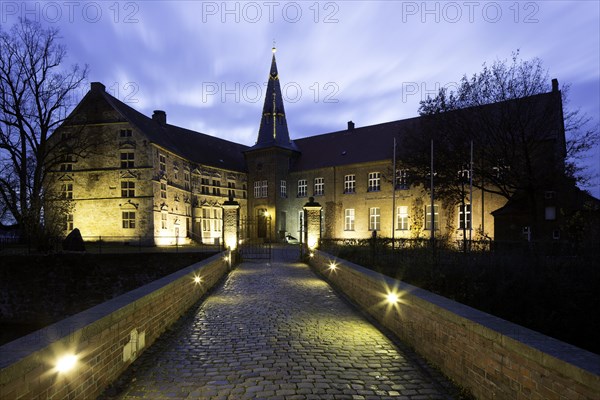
{"type": "Point", "coordinates": [197, 279]}
{"type": "Point", "coordinates": [392, 298]}
{"type": "Point", "coordinates": [66, 363]}
{"type": "Point", "coordinates": [332, 266]}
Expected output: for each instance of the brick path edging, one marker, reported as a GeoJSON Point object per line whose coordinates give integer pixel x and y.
{"type": "Point", "coordinates": [106, 338]}
{"type": "Point", "coordinates": [491, 357]}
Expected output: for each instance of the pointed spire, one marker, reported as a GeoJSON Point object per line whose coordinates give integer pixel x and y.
{"type": "Point", "coordinates": [273, 129]}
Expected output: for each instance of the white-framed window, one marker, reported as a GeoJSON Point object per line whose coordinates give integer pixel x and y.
{"type": "Point", "coordinates": [127, 189]}
{"type": "Point", "coordinates": [66, 190]}
{"type": "Point", "coordinates": [128, 218]}
{"type": "Point", "coordinates": [260, 189]}
{"type": "Point", "coordinates": [127, 159]}
{"type": "Point", "coordinates": [464, 216]}
{"type": "Point", "coordinates": [319, 186]}
{"type": "Point", "coordinates": [283, 188]}
{"type": "Point", "coordinates": [302, 185]}
{"type": "Point", "coordinates": [436, 217]}
{"type": "Point", "coordinates": [349, 219]}
{"type": "Point", "coordinates": [163, 190]}
{"type": "Point", "coordinates": [374, 182]}
{"type": "Point", "coordinates": [163, 220]}
{"type": "Point", "coordinates": [374, 219]}
{"type": "Point", "coordinates": [350, 183]}
{"type": "Point", "coordinates": [402, 218]}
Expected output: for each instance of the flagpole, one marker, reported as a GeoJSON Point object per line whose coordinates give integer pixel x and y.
{"type": "Point", "coordinates": [471, 196]}
{"type": "Point", "coordinates": [394, 197]}
{"type": "Point", "coordinates": [432, 202]}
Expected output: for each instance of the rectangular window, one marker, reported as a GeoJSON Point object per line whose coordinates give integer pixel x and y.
{"type": "Point", "coordinates": [283, 189]}
{"type": "Point", "coordinates": [163, 190]}
{"type": "Point", "coordinates": [205, 189]}
{"type": "Point", "coordinates": [350, 184]}
{"type": "Point", "coordinates": [401, 179]}
{"type": "Point", "coordinates": [127, 159]}
{"type": "Point", "coordinates": [66, 163]}
{"type": "Point", "coordinates": [66, 190]}
{"type": "Point", "coordinates": [217, 222]}
{"type": "Point", "coordinates": [216, 190]}
{"type": "Point", "coordinates": [436, 217]}
{"type": "Point", "coordinates": [163, 220]}
{"type": "Point", "coordinates": [124, 133]}
{"type": "Point", "coordinates": [374, 182]}
{"type": "Point", "coordinates": [319, 186]}
{"type": "Point", "coordinates": [206, 219]}
{"type": "Point", "coordinates": [374, 219]}
{"type": "Point", "coordinates": [349, 219]}
{"type": "Point", "coordinates": [69, 222]}
{"type": "Point", "coordinates": [231, 190]}
{"type": "Point", "coordinates": [260, 189]}
{"type": "Point", "coordinates": [186, 180]}
{"type": "Point", "coordinates": [176, 173]}
{"type": "Point", "coordinates": [464, 216]}
{"type": "Point", "coordinates": [402, 218]}
{"type": "Point", "coordinates": [302, 188]}
{"type": "Point", "coordinates": [550, 213]}
{"type": "Point", "coordinates": [162, 163]}
{"type": "Point", "coordinates": [128, 219]}
{"type": "Point", "coordinates": [127, 189]}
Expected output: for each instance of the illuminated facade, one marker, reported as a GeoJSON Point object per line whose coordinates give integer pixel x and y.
{"type": "Point", "coordinates": [163, 184]}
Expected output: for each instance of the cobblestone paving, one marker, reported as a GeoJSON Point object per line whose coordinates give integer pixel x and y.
{"type": "Point", "coordinates": [276, 331]}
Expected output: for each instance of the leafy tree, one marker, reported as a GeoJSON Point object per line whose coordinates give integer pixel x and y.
{"type": "Point", "coordinates": [519, 141]}
{"type": "Point", "coordinates": [36, 92]}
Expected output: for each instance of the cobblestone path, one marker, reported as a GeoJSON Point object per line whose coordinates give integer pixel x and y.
{"type": "Point", "coordinates": [276, 331]}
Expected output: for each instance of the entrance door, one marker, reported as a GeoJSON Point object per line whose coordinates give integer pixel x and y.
{"type": "Point", "coordinates": [261, 226]}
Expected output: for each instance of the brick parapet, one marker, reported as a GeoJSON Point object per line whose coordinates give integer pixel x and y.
{"type": "Point", "coordinates": [99, 336]}
{"type": "Point", "coordinates": [491, 357]}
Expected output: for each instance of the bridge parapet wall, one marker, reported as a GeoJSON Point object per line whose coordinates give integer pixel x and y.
{"type": "Point", "coordinates": [491, 357]}
{"type": "Point", "coordinates": [105, 339]}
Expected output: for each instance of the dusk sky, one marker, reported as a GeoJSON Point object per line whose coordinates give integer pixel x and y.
{"type": "Point", "coordinates": [206, 63]}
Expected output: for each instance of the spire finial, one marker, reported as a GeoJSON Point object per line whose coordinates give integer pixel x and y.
{"type": "Point", "coordinates": [274, 49]}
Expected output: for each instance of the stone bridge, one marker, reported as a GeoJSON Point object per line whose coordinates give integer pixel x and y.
{"type": "Point", "coordinates": [283, 329]}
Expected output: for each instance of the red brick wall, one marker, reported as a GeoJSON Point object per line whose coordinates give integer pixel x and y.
{"type": "Point", "coordinates": [491, 357]}
{"type": "Point", "coordinates": [98, 336]}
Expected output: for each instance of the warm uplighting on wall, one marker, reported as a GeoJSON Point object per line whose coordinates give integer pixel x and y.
{"type": "Point", "coordinates": [231, 240]}
{"type": "Point", "coordinates": [312, 242]}
{"type": "Point", "coordinates": [66, 363]}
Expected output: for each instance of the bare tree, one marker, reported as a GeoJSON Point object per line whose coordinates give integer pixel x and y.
{"type": "Point", "coordinates": [35, 97]}
{"type": "Point", "coordinates": [515, 120]}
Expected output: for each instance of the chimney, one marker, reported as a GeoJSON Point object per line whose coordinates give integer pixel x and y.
{"type": "Point", "coordinates": [160, 116]}
{"type": "Point", "coordinates": [555, 85]}
{"type": "Point", "coordinates": [97, 87]}
{"type": "Point", "coordinates": [350, 125]}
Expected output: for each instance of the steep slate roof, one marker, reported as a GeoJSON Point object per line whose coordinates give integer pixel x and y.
{"type": "Point", "coordinates": [273, 129]}
{"type": "Point", "coordinates": [358, 145]}
{"type": "Point", "coordinates": [194, 146]}
{"type": "Point", "coordinates": [375, 142]}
